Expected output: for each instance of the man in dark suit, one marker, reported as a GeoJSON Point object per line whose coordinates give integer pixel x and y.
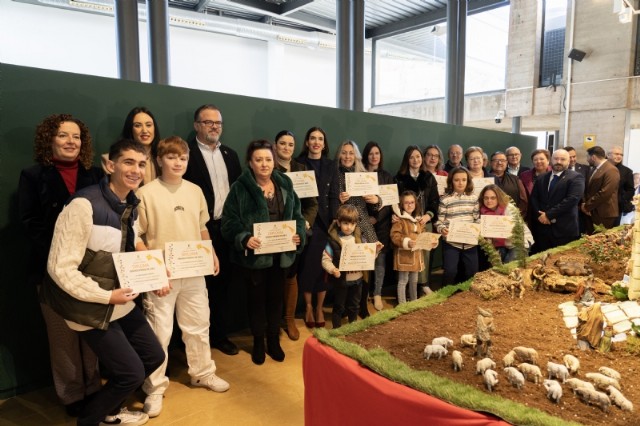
{"type": "Point", "coordinates": [625, 189]}
{"type": "Point", "coordinates": [455, 158]}
{"type": "Point", "coordinates": [601, 193]}
{"type": "Point", "coordinates": [554, 201]}
{"type": "Point", "coordinates": [583, 169]}
{"type": "Point", "coordinates": [513, 161]}
{"type": "Point", "coordinates": [214, 167]}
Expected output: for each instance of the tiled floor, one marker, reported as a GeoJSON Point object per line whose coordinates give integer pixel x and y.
{"type": "Point", "coordinates": [270, 394]}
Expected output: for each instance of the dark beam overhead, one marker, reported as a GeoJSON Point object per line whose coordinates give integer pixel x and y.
{"type": "Point", "coordinates": [293, 6]}
{"type": "Point", "coordinates": [259, 5]}
{"type": "Point", "coordinates": [202, 4]}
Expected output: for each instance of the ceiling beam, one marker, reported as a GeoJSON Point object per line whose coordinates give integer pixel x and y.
{"type": "Point", "coordinates": [293, 6]}
{"type": "Point", "coordinates": [258, 5]}
{"type": "Point", "coordinates": [202, 4]}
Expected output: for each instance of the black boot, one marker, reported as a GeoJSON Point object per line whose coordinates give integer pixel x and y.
{"type": "Point", "coordinates": [273, 348]}
{"type": "Point", "coordinates": [257, 354]}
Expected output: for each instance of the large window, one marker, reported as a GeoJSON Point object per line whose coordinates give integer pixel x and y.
{"type": "Point", "coordinates": [412, 66]}
{"type": "Point", "coordinates": [552, 60]}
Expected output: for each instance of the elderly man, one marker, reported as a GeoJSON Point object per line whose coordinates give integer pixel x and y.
{"type": "Point", "coordinates": [600, 203]}
{"type": "Point", "coordinates": [513, 161]}
{"type": "Point", "coordinates": [625, 189]}
{"type": "Point", "coordinates": [554, 204]}
{"type": "Point", "coordinates": [455, 158]}
{"type": "Point", "coordinates": [509, 183]}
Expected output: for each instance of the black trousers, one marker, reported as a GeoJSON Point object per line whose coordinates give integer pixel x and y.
{"type": "Point", "coordinates": [265, 293]}
{"type": "Point", "coordinates": [218, 286]}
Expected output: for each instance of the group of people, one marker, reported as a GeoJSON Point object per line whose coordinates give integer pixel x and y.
{"type": "Point", "coordinates": [151, 191]}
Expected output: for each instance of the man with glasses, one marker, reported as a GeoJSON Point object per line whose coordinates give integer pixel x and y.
{"type": "Point", "coordinates": [509, 183]}
{"type": "Point", "coordinates": [625, 189]}
{"type": "Point", "coordinates": [214, 167]}
{"type": "Point", "coordinates": [513, 160]}
{"type": "Point", "coordinates": [455, 158]}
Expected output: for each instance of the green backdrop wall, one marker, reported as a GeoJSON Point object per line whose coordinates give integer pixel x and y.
{"type": "Point", "coordinates": [27, 95]}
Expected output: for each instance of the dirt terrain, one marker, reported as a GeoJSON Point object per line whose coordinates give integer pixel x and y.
{"type": "Point", "coordinates": [534, 321]}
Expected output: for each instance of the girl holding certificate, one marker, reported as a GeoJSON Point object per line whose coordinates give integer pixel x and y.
{"type": "Point", "coordinates": [260, 196]}
{"type": "Point", "coordinates": [460, 205]}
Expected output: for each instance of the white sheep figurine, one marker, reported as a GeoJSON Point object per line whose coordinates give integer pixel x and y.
{"type": "Point", "coordinates": [557, 371]}
{"type": "Point", "coordinates": [618, 399]}
{"type": "Point", "coordinates": [457, 360]}
{"type": "Point", "coordinates": [594, 397]}
{"type": "Point", "coordinates": [490, 379]}
{"type": "Point", "coordinates": [442, 341]}
{"type": "Point", "coordinates": [530, 372]}
{"type": "Point", "coordinates": [610, 372]}
{"type": "Point", "coordinates": [574, 384]}
{"type": "Point", "coordinates": [468, 340]}
{"type": "Point", "coordinates": [515, 377]}
{"type": "Point", "coordinates": [572, 363]}
{"type": "Point", "coordinates": [484, 364]}
{"type": "Point", "coordinates": [528, 355]}
{"type": "Point", "coordinates": [554, 390]}
{"type": "Point", "coordinates": [509, 359]}
{"type": "Point", "coordinates": [434, 350]}
{"type": "Point", "coordinates": [601, 381]}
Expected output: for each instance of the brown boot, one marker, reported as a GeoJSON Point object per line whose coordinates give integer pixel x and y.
{"type": "Point", "coordinates": [290, 302]}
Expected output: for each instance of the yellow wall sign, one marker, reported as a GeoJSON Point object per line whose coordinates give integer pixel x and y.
{"type": "Point", "coordinates": [589, 141]}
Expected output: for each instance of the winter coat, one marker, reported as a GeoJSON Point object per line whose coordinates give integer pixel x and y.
{"type": "Point", "coordinates": [403, 258]}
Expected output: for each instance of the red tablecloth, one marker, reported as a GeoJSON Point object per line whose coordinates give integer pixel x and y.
{"type": "Point", "coordinates": [338, 391]}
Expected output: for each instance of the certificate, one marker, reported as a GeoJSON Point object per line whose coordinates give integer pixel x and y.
{"type": "Point", "coordinates": [358, 257]}
{"type": "Point", "coordinates": [463, 232]}
{"type": "Point", "coordinates": [442, 184]}
{"type": "Point", "coordinates": [480, 183]}
{"type": "Point", "coordinates": [496, 226]}
{"type": "Point", "coordinates": [304, 183]}
{"type": "Point", "coordinates": [189, 258]}
{"type": "Point", "coordinates": [275, 237]}
{"type": "Point", "coordinates": [361, 183]}
{"type": "Point", "coordinates": [388, 194]}
{"type": "Point", "coordinates": [426, 241]}
{"type": "Point", "coordinates": [141, 271]}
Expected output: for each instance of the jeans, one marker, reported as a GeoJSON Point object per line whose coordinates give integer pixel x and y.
{"type": "Point", "coordinates": [380, 267]}
{"type": "Point", "coordinates": [346, 297]}
{"type": "Point", "coordinates": [412, 279]}
{"type": "Point", "coordinates": [451, 256]}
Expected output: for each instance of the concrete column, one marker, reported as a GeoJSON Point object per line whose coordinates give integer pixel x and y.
{"type": "Point", "coordinates": [127, 39]}
{"type": "Point", "coordinates": [158, 15]}
{"type": "Point", "coordinates": [451, 86]}
{"type": "Point", "coordinates": [516, 125]}
{"type": "Point", "coordinates": [461, 54]}
{"type": "Point", "coordinates": [357, 83]}
{"type": "Point", "coordinates": [343, 55]}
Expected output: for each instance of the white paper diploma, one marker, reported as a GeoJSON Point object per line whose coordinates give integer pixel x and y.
{"type": "Point", "coordinates": [389, 194]}
{"type": "Point", "coordinates": [275, 237]}
{"type": "Point", "coordinates": [496, 226]}
{"type": "Point", "coordinates": [480, 183]}
{"type": "Point", "coordinates": [304, 183]}
{"type": "Point", "coordinates": [141, 271]}
{"type": "Point", "coordinates": [442, 184]}
{"type": "Point", "coordinates": [189, 258]}
{"type": "Point", "coordinates": [463, 232]}
{"type": "Point", "coordinates": [426, 241]}
{"type": "Point", "coordinates": [361, 183]}
{"type": "Point", "coordinates": [358, 257]}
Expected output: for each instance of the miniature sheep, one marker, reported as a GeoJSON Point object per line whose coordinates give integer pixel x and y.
{"type": "Point", "coordinates": [528, 355]}
{"type": "Point", "coordinates": [514, 377]}
{"type": "Point", "coordinates": [574, 384]}
{"type": "Point", "coordinates": [468, 340]}
{"type": "Point", "coordinates": [434, 350]}
{"type": "Point", "coordinates": [601, 381]}
{"type": "Point", "coordinates": [610, 372]}
{"type": "Point", "coordinates": [457, 360]}
{"type": "Point", "coordinates": [558, 371]}
{"type": "Point", "coordinates": [572, 363]}
{"type": "Point", "coordinates": [618, 399]}
{"type": "Point", "coordinates": [509, 359]}
{"type": "Point", "coordinates": [554, 390]}
{"type": "Point", "coordinates": [594, 397]}
{"type": "Point", "coordinates": [442, 341]}
{"type": "Point", "coordinates": [530, 372]}
{"type": "Point", "coordinates": [490, 378]}
{"type": "Point", "coordinates": [484, 364]}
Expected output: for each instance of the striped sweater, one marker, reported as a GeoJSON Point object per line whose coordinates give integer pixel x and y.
{"type": "Point", "coordinates": [457, 207]}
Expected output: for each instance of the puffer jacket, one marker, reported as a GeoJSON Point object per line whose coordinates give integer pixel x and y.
{"type": "Point", "coordinates": [403, 258]}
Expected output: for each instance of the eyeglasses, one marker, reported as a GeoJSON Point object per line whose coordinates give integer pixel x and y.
{"type": "Point", "coordinates": [432, 155]}
{"type": "Point", "coordinates": [513, 155]}
{"type": "Point", "coordinates": [210, 123]}
{"type": "Point", "coordinates": [495, 160]}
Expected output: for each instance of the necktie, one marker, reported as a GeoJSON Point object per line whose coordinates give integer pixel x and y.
{"type": "Point", "coordinates": [553, 182]}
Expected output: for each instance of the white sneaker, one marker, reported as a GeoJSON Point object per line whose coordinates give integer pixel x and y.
{"type": "Point", "coordinates": [153, 405]}
{"type": "Point", "coordinates": [126, 417]}
{"type": "Point", "coordinates": [212, 382]}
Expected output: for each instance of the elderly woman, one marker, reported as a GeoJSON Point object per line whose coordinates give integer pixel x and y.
{"type": "Point", "coordinates": [433, 161]}
{"type": "Point", "coordinates": [540, 159]}
{"type": "Point", "coordinates": [141, 126]}
{"type": "Point", "coordinates": [474, 156]}
{"type": "Point", "coordinates": [64, 158]}
{"type": "Point", "coordinates": [285, 145]}
{"type": "Point", "coordinates": [413, 176]}
{"type": "Point", "coordinates": [261, 195]}
{"type": "Point", "coordinates": [373, 161]}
